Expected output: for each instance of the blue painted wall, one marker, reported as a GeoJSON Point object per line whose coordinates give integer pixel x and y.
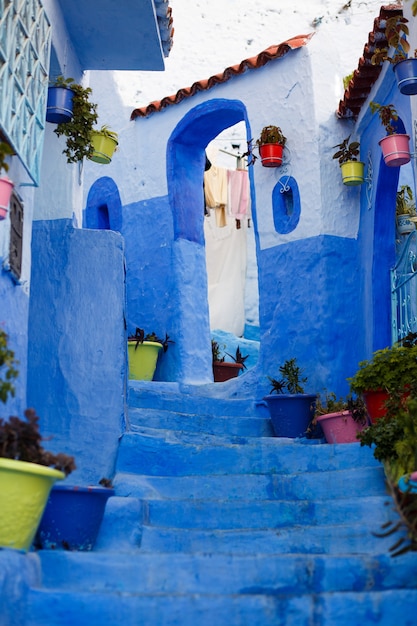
{"type": "Point", "coordinates": [77, 348]}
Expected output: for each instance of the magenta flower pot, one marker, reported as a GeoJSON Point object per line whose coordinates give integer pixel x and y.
{"type": "Point", "coordinates": [395, 150]}
{"type": "Point", "coordinates": [6, 188]}
{"type": "Point", "coordinates": [340, 427]}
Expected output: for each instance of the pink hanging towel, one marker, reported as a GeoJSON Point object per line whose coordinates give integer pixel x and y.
{"type": "Point", "coordinates": [238, 191]}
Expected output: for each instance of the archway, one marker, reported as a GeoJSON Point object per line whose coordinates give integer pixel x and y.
{"type": "Point", "coordinates": [104, 208]}
{"type": "Point", "coordinates": [185, 170]}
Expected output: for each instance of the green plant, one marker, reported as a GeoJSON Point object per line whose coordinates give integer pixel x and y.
{"type": "Point", "coordinates": [5, 151]}
{"type": "Point", "coordinates": [347, 151]}
{"type": "Point", "coordinates": [291, 379]}
{"type": "Point", "coordinates": [347, 79]}
{"type": "Point", "coordinates": [393, 370]}
{"type": "Point", "coordinates": [60, 81]}
{"type": "Point", "coordinates": [330, 404]}
{"type": "Point", "coordinates": [238, 357]}
{"type": "Point", "coordinates": [8, 371]}
{"type": "Point", "coordinates": [106, 132]}
{"type": "Point", "coordinates": [78, 130]}
{"type": "Point", "coordinates": [271, 134]}
{"type": "Point", "coordinates": [216, 352]}
{"type": "Point", "coordinates": [387, 114]}
{"type": "Point", "coordinates": [395, 32]}
{"type": "Point", "coordinates": [405, 204]}
{"type": "Point", "coordinates": [140, 336]}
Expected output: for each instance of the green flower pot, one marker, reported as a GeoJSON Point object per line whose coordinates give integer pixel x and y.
{"type": "Point", "coordinates": [24, 491]}
{"type": "Point", "coordinates": [142, 359]}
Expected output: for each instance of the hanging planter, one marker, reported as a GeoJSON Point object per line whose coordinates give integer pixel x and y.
{"type": "Point", "coordinates": [404, 224]}
{"type": "Point", "coordinates": [271, 145]}
{"type": "Point", "coordinates": [353, 173]}
{"type": "Point", "coordinates": [59, 105]}
{"type": "Point", "coordinates": [395, 150]}
{"type": "Point", "coordinates": [406, 75]}
{"type": "Point", "coordinates": [395, 146]}
{"type": "Point", "coordinates": [352, 170]}
{"type": "Point", "coordinates": [104, 143]}
{"type": "Point", "coordinates": [72, 517]}
{"type": "Point", "coordinates": [6, 185]}
{"type": "Point", "coordinates": [405, 210]}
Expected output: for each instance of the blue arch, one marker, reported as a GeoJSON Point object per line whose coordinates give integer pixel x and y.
{"type": "Point", "coordinates": [286, 205]}
{"type": "Point", "coordinates": [186, 160]}
{"type": "Point", "coordinates": [104, 207]}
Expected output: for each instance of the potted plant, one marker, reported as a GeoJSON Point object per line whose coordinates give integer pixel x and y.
{"type": "Point", "coordinates": [271, 144]}
{"type": "Point", "coordinates": [352, 169]}
{"type": "Point", "coordinates": [104, 143]}
{"type": "Point", "coordinates": [405, 210]}
{"type": "Point", "coordinates": [395, 146]}
{"type": "Point", "coordinates": [6, 185]}
{"type": "Point", "coordinates": [59, 106]}
{"type": "Point", "coordinates": [73, 516]}
{"type": "Point", "coordinates": [79, 129]}
{"type": "Point", "coordinates": [396, 52]}
{"type": "Point", "coordinates": [291, 409]}
{"type": "Point", "coordinates": [225, 370]}
{"type": "Point", "coordinates": [27, 471]}
{"type": "Point", "coordinates": [386, 380]}
{"type": "Point", "coordinates": [143, 351]}
{"type": "Point", "coordinates": [342, 419]}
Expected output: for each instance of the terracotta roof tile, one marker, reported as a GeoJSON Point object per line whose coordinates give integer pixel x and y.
{"type": "Point", "coordinates": [271, 53]}
{"type": "Point", "coordinates": [366, 74]}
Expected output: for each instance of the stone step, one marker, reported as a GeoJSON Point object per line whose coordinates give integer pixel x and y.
{"type": "Point", "coordinates": [385, 608]}
{"type": "Point", "coordinates": [245, 426]}
{"type": "Point", "coordinates": [223, 573]}
{"type": "Point", "coordinates": [191, 399]}
{"type": "Point", "coordinates": [333, 484]}
{"type": "Point", "coordinates": [157, 455]}
{"type": "Point", "coordinates": [196, 438]}
{"type": "Point", "coordinates": [352, 539]}
{"type": "Point", "coordinates": [244, 514]}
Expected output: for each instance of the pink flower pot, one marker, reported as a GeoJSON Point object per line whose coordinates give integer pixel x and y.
{"type": "Point", "coordinates": [395, 150]}
{"type": "Point", "coordinates": [340, 427]}
{"type": "Point", "coordinates": [6, 188]}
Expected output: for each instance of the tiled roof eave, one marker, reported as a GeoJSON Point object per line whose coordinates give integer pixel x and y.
{"type": "Point", "coordinates": [260, 60]}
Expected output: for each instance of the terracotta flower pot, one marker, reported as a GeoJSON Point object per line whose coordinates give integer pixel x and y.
{"type": "Point", "coordinates": [225, 370]}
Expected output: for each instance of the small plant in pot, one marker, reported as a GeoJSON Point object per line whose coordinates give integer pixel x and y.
{"type": "Point", "coordinates": [405, 210]}
{"type": "Point", "coordinates": [291, 409]}
{"type": "Point", "coordinates": [341, 419]}
{"type": "Point", "coordinates": [396, 52]}
{"type": "Point", "coordinates": [27, 471]}
{"type": "Point", "coordinates": [225, 370]}
{"type": "Point", "coordinates": [395, 146]}
{"type": "Point", "coordinates": [386, 380]}
{"type": "Point", "coordinates": [143, 352]}
{"type": "Point", "coordinates": [347, 156]}
{"type": "Point", "coordinates": [6, 185]}
{"type": "Point", "coordinates": [104, 142]}
{"type": "Point", "coordinates": [59, 106]}
{"type": "Point", "coordinates": [79, 128]}
{"type": "Point", "coordinates": [271, 143]}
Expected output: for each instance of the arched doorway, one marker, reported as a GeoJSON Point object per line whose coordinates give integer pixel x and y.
{"type": "Point", "coordinates": [185, 170]}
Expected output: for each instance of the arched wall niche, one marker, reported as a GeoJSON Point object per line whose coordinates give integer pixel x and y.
{"type": "Point", "coordinates": [104, 208]}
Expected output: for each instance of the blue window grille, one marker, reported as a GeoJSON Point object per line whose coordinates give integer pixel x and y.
{"type": "Point", "coordinates": [25, 34]}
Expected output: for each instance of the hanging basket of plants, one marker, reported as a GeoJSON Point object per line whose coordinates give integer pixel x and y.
{"type": "Point", "coordinates": [352, 170]}
{"type": "Point", "coordinates": [395, 146]}
{"type": "Point", "coordinates": [271, 145]}
{"type": "Point", "coordinates": [59, 106]}
{"type": "Point", "coordinates": [104, 143]}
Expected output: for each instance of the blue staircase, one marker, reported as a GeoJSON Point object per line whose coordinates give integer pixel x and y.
{"type": "Point", "coordinates": [216, 522]}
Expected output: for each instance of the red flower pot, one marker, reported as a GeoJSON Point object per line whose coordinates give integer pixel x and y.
{"type": "Point", "coordinates": [271, 154]}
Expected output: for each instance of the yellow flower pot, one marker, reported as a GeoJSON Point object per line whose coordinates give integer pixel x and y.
{"type": "Point", "coordinates": [353, 173]}
{"type": "Point", "coordinates": [24, 491]}
{"type": "Point", "coordinates": [142, 359]}
{"type": "Point", "coordinates": [103, 148]}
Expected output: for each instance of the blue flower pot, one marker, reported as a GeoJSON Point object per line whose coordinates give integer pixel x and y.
{"type": "Point", "coordinates": [72, 517]}
{"type": "Point", "coordinates": [291, 414]}
{"type": "Point", "coordinates": [59, 105]}
{"type": "Point", "coordinates": [406, 74]}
